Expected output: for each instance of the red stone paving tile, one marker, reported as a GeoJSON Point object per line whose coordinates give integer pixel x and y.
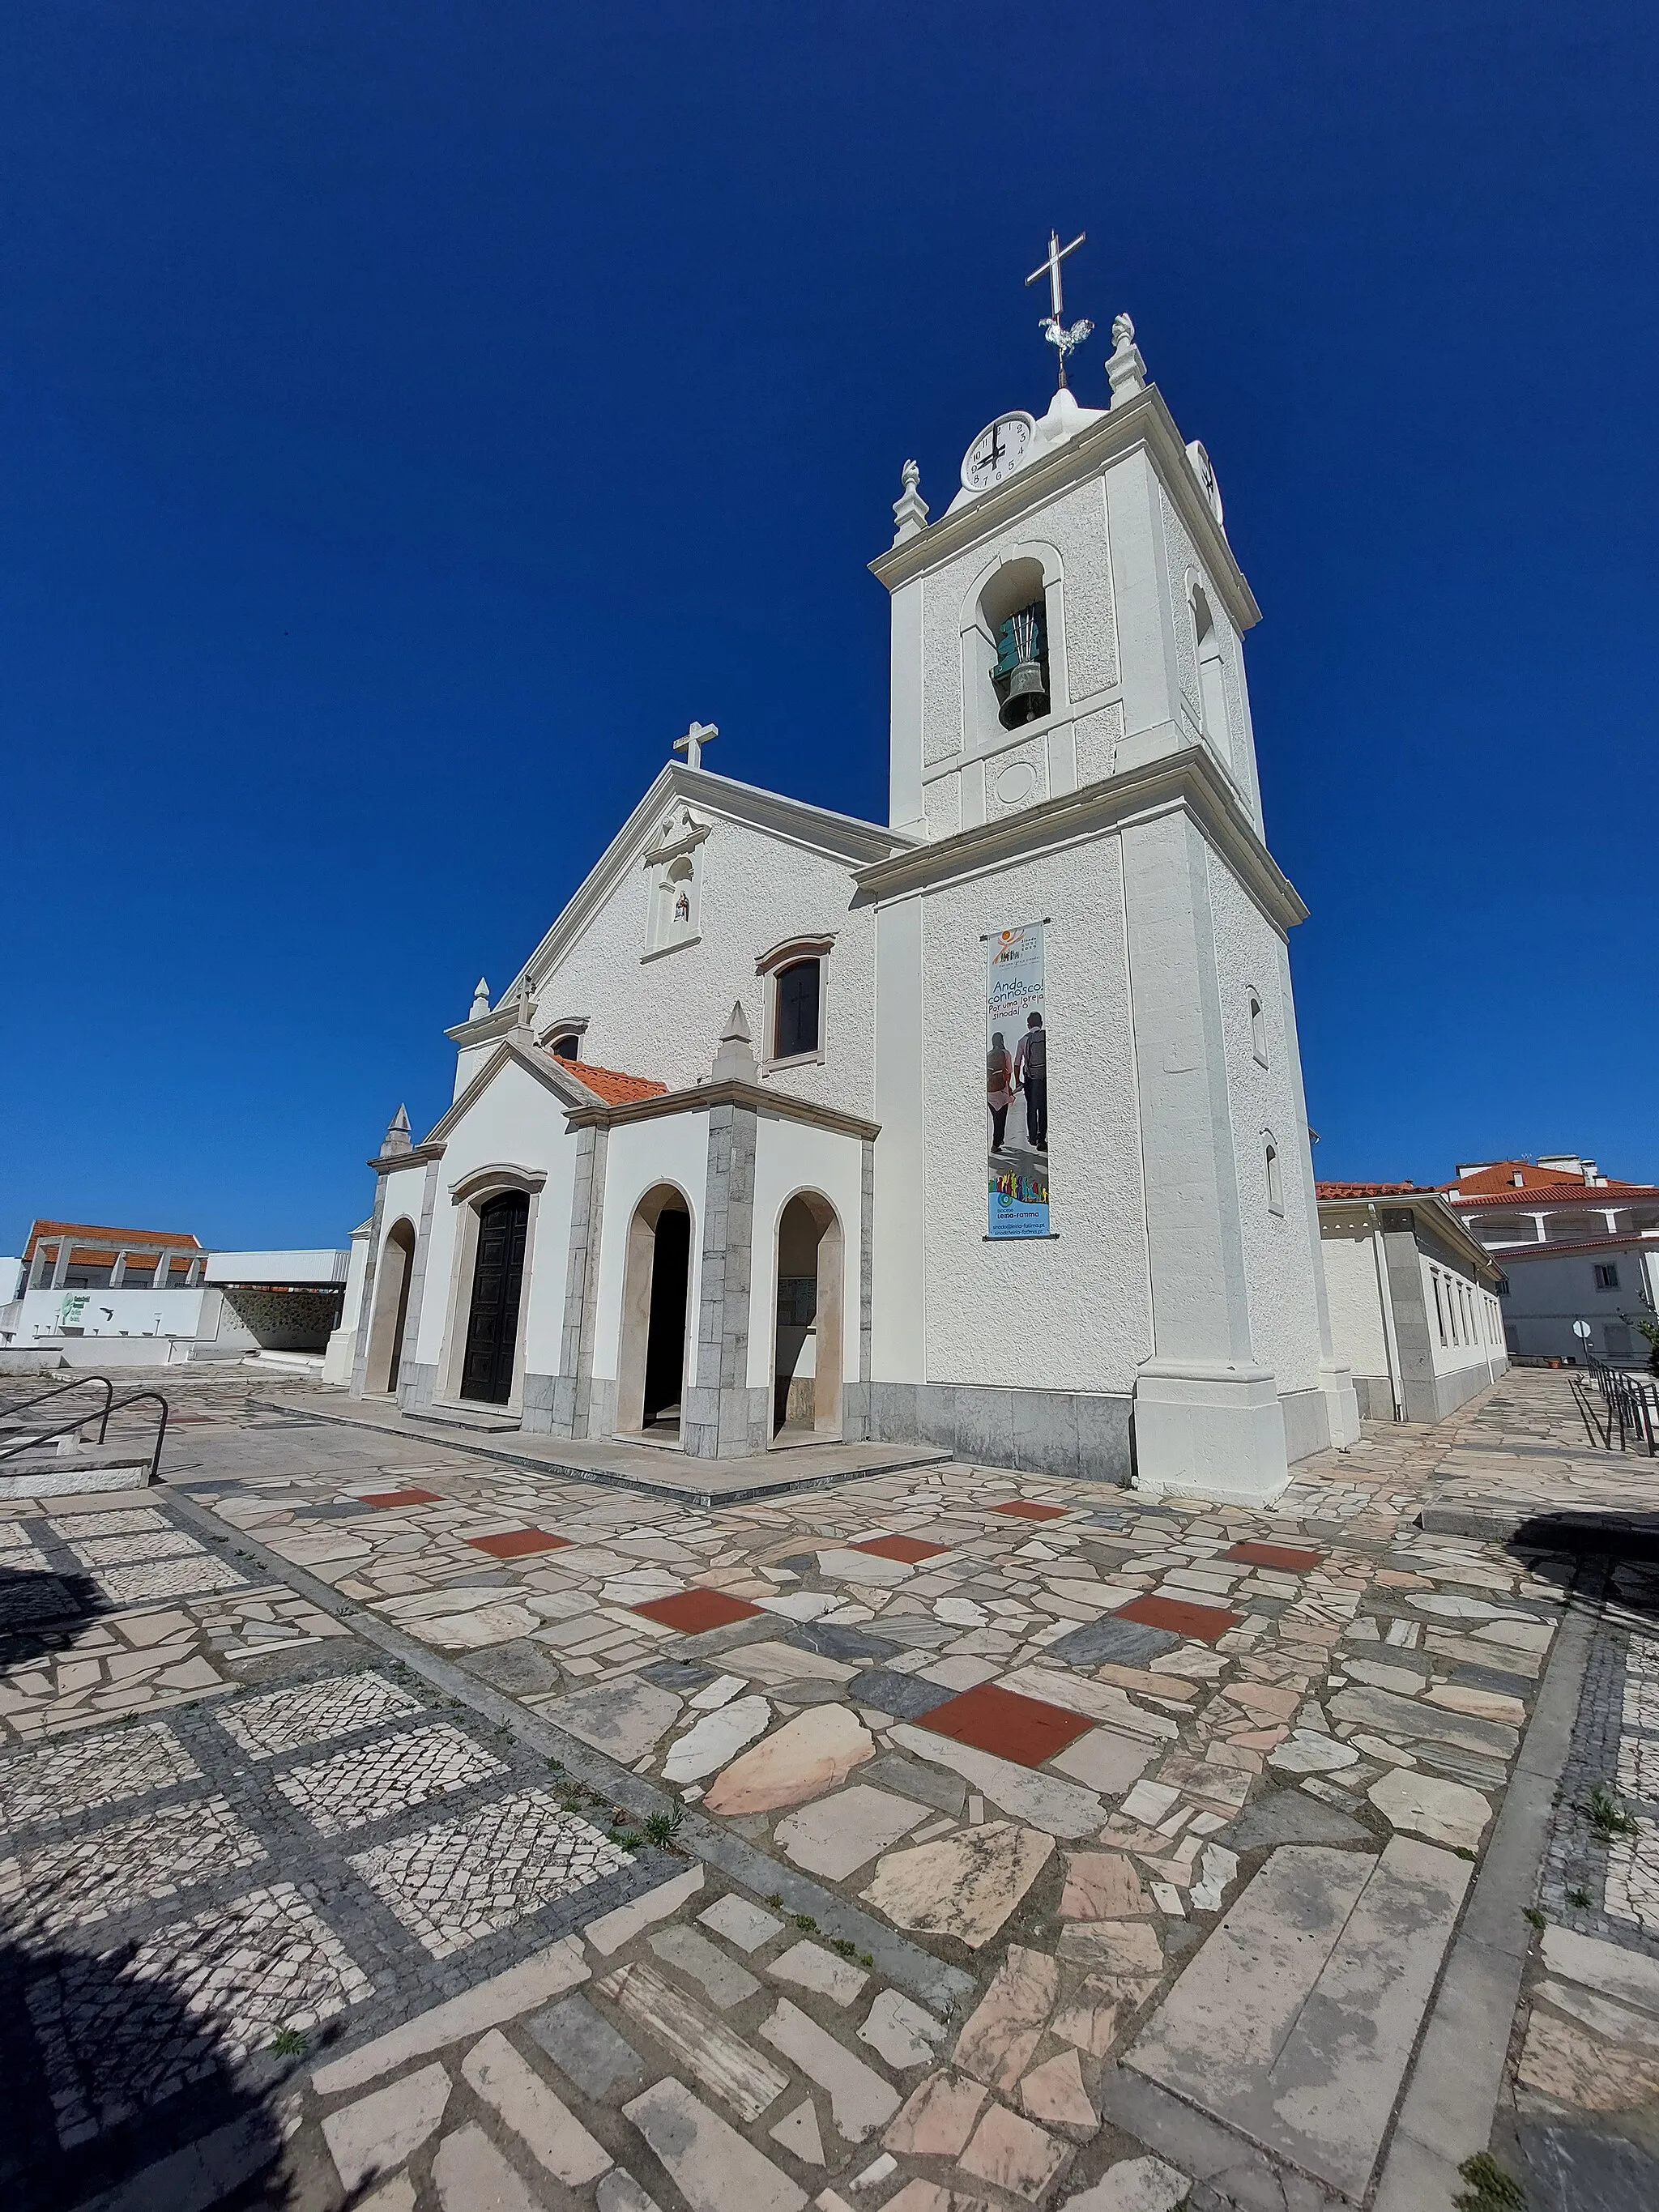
{"type": "Point", "coordinates": [518, 1543]}
{"type": "Point", "coordinates": [691, 1611]}
{"type": "Point", "coordinates": [1204, 1622]}
{"type": "Point", "coordinates": [910, 1551]}
{"type": "Point", "coordinates": [1026, 1508]}
{"type": "Point", "coordinates": [1001, 1722]}
{"type": "Point", "coordinates": [1289, 1558]}
{"type": "Point", "coordinates": [403, 1498]}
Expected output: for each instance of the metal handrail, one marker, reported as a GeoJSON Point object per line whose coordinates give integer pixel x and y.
{"type": "Point", "coordinates": [35, 1439]}
{"type": "Point", "coordinates": [1631, 1404]}
{"type": "Point", "coordinates": [137, 1399]}
{"type": "Point", "coordinates": [80, 1382]}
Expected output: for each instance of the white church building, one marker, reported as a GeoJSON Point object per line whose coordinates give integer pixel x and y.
{"type": "Point", "coordinates": [983, 1127]}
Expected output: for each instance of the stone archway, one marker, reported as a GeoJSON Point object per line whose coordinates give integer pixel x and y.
{"type": "Point", "coordinates": [652, 1364]}
{"type": "Point", "coordinates": [806, 1332]}
{"type": "Point", "coordinates": [392, 1286]}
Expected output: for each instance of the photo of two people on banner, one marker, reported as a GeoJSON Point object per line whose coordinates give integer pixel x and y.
{"type": "Point", "coordinates": [1024, 1071]}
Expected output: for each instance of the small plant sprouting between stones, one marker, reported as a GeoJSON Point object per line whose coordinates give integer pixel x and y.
{"type": "Point", "coordinates": [847, 1950]}
{"type": "Point", "coordinates": [289, 2043]}
{"type": "Point", "coordinates": [775, 1899]}
{"type": "Point", "coordinates": [1608, 1817]}
{"type": "Point", "coordinates": [1530, 1912]}
{"type": "Point", "coordinates": [1489, 2189]}
{"type": "Point", "coordinates": [662, 1827]}
{"type": "Point", "coordinates": [804, 1920]}
{"type": "Point", "coordinates": [1580, 1898]}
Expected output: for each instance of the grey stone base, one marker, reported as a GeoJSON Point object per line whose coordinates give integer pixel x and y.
{"type": "Point", "coordinates": [726, 1424]}
{"type": "Point", "coordinates": [540, 1397]}
{"type": "Point", "coordinates": [417, 1386]}
{"type": "Point", "coordinates": [1307, 1424]}
{"type": "Point", "coordinates": [1374, 1396]}
{"type": "Point", "coordinates": [1432, 1400]}
{"type": "Point", "coordinates": [1062, 1432]}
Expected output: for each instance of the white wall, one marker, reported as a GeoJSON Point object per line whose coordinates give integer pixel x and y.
{"type": "Point", "coordinates": [790, 1156]}
{"type": "Point", "coordinates": [1548, 1295]}
{"type": "Point", "coordinates": [1357, 1337]}
{"type": "Point", "coordinates": [1281, 1252]}
{"type": "Point", "coordinates": [281, 1268]}
{"type": "Point", "coordinates": [151, 1313]}
{"type": "Point", "coordinates": [1073, 1314]}
{"type": "Point", "coordinates": [662, 1017]}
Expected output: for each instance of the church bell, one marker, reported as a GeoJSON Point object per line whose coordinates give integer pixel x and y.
{"type": "Point", "coordinates": [1021, 674]}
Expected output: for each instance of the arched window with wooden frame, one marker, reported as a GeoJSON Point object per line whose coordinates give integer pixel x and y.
{"type": "Point", "coordinates": [795, 977]}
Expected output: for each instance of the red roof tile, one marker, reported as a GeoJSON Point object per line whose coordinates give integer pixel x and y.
{"type": "Point", "coordinates": [1568, 1192]}
{"type": "Point", "coordinates": [611, 1084]}
{"type": "Point", "coordinates": [1372, 1189]}
{"type": "Point", "coordinates": [144, 1240]}
{"type": "Point", "coordinates": [1632, 1240]}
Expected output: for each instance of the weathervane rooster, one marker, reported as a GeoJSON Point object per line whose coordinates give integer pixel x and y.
{"type": "Point", "coordinates": [1054, 327]}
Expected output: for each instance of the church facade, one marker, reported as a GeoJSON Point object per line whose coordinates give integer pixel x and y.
{"type": "Point", "coordinates": [983, 1127]}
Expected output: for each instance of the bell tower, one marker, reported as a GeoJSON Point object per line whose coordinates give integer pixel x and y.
{"type": "Point", "coordinates": [1076, 610]}
{"type": "Point", "coordinates": [1072, 752]}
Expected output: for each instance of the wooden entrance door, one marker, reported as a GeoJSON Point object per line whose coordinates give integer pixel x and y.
{"type": "Point", "coordinates": [492, 1324]}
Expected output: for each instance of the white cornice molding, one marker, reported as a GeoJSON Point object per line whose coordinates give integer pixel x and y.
{"type": "Point", "coordinates": [769, 1105]}
{"type": "Point", "coordinates": [1146, 422]}
{"type": "Point", "coordinates": [840, 837]}
{"type": "Point", "coordinates": [1428, 1206]}
{"type": "Point", "coordinates": [1189, 779]}
{"type": "Point", "coordinates": [567, 1089]}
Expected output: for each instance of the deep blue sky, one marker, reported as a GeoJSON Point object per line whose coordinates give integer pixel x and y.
{"type": "Point", "coordinates": [410, 416]}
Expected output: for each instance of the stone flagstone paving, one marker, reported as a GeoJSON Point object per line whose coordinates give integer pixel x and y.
{"type": "Point", "coordinates": [1004, 1809]}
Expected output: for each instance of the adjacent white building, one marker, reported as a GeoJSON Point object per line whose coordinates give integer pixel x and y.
{"type": "Point", "coordinates": [1579, 1252]}
{"type": "Point", "coordinates": [88, 1294]}
{"type": "Point", "coordinates": [1413, 1300]}
{"type": "Point", "coordinates": [983, 1126]}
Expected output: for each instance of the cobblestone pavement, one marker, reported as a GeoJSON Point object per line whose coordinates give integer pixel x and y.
{"type": "Point", "coordinates": [433, 1833]}
{"type": "Point", "coordinates": [1580, 2121]}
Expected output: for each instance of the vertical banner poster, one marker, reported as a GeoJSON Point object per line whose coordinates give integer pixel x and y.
{"type": "Point", "coordinates": [1015, 1084]}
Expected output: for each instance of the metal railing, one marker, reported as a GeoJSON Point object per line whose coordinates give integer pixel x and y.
{"type": "Point", "coordinates": [33, 1440]}
{"type": "Point", "coordinates": [80, 1382]}
{"type": "Point", "coordinates": [1627, 1418]}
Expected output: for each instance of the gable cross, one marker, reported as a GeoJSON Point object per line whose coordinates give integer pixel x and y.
{"type": "Point", "coordinates": [691, 744]}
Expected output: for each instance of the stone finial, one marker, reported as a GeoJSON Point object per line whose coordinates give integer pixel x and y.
{"type": "Point", "coordinates": [1126, 371]}
{"type": "Point", "coordinates": [480, 1001]}
{"type": "Point", "coordinates": [524, 1009]}
{"type": "Point", "coordinates": [910, 510]}
{"type": "Point", "coordinates": [734, 1062]}
{"type": "Point", "coordinates": [396, 1139]}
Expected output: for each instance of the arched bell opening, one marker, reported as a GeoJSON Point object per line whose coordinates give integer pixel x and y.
{"type": "Point", "coordinates": [806, 1337]}
{"type": "Point", "coordinates": [656, 1286]}
{"type": "Point", "coordinates": [1013, 605]}
{"type": "Point", "coordinates": [385, 1336]}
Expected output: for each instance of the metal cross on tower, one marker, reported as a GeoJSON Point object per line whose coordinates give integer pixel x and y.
{"type": "Point", "coordinates": [1053, 324]}
{"type": "Point", "coordinates": [691, 744]}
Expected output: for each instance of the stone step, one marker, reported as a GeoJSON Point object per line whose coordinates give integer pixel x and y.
{"type": "Point", "coordinates": [457, 1417]}
{"type": "Point", "coordinates": [46, 1472]}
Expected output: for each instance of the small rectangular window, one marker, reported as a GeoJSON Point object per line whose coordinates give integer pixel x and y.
{"type": "Point", "coordinates": [1258, 1030]}
{"type": "Point", "coordinates": [1275, 1192]}
{"type": "Point", "coordinates": [1439, 1306]}
{"type": "Point", "coordinates": [1607, 1277]}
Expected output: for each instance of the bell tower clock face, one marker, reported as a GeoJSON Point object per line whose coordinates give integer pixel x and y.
{"type": "Point", "coordinates": [997, 452]}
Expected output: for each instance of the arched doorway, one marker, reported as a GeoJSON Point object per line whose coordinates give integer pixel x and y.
{"type": "Point", "coordinates": [492, 1322]}
{"type": "Point", "coordinates": [806, 1358]}
{"type": "Point", "coordinates": [386, 1335]}
{"type": "Point", "coordinates": [651, 1370]}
